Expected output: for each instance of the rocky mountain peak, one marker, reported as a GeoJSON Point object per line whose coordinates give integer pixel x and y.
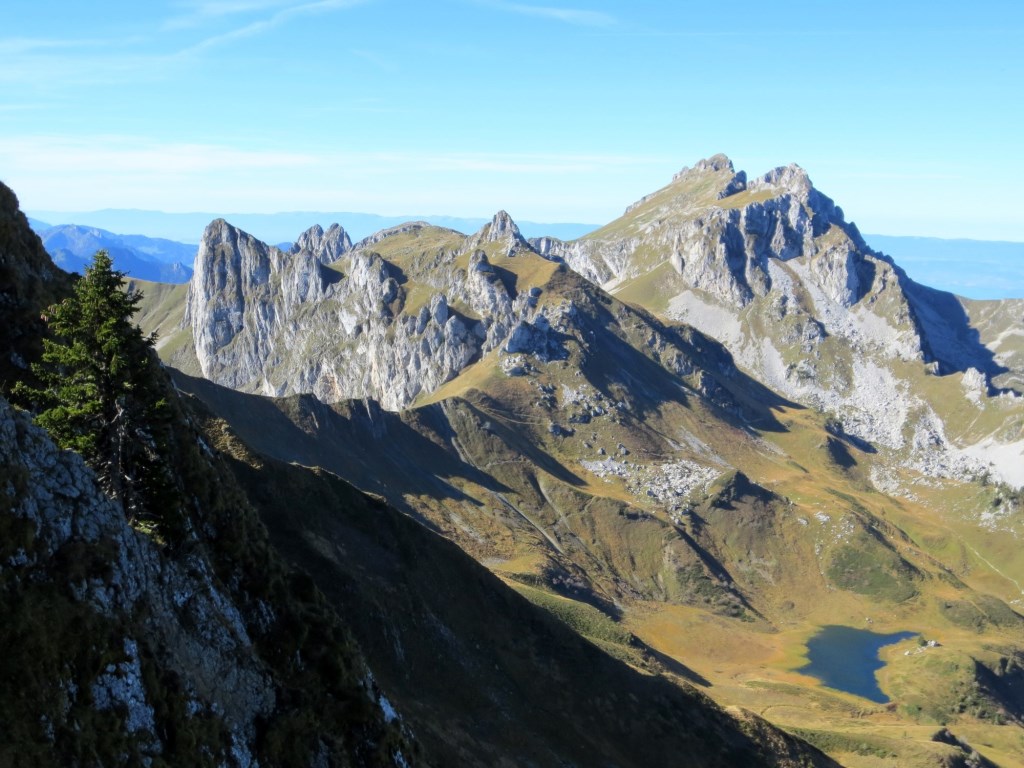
{"type": "Point", "coordinates": [219, 232]}
{"type": "Point", "coordinates": [501, 228]}
{"type": "Point", "coordinates": [793, 180]}
{"type": "Point", "coordinates": [236, 282]}
{"type": "Point", "coordinates": [326, 246]}
{"type": "Point", "coordinates": [714, 164]}
{"type": "Point", "coordinates": [260, 322]}
{"type": "Point", "coordinates": [718, 167]}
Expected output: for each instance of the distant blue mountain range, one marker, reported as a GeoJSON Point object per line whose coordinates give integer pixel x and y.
{"type": "Point", "coordinates": [977, 269]}
{"type": "Point", "coordinates": [71, 247]}
{"type": "Point", "coordinates": [283, 227]}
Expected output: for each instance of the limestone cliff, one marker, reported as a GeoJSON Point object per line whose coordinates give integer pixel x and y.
{"type": "Point", "coordinates": [278, 323]}
{"type": "Point", "coordinates": [767, 266]}
{"type": "Point", "coordinates": [326, 246]}
{"type": "Point", "coordinates": [771, 268]}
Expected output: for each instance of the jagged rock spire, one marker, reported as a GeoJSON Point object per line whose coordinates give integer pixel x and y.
{"type": "Point", "coordinates": [326, 246]}
{"type": "Point", "coordinates": [501, 228]}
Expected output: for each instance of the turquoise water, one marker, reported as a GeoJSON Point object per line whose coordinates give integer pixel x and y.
{"type": "Point", "coordinates": [846, 659]}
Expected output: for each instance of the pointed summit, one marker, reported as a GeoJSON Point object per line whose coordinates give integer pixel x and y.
{"type": "Point", "coordinates": [716, 172]}
{"type": "Point", "coordinates": [790, 178]}
{"type": "Point", "coordinates": [500, 229]}
{"type": "Point", "coordinates": [793, 180]}
{"type": "Point", "coordinates": [716, 164]}
{"type": "Point", "coordinates": [326, 246]}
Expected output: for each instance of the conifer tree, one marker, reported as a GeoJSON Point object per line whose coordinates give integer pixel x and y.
{"type": "Point", "coordinates": [101, 393]}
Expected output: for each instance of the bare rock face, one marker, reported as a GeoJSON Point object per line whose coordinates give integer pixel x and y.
{"type": "Point", "coordinates": [501, 229]}
{"type": "Point", "coordinates": [177, 606]}
{"type": "Point", "coordinates": [770, 267]}
{"type": "Point", "coordinates": [326, 246]}
{"type": "Point", "coordinates": [276, 323]}
{"type": "Point", "coordinates": [237, 285]}
{"type": "Point", "coordinates": [723, 248]}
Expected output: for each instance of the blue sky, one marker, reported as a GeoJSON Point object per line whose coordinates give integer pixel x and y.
{"type": "Point", "coordinates": [909, 114]}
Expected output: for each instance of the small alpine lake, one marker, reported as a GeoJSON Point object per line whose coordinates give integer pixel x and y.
{"type": "Point", "coordinates": [846, 659]}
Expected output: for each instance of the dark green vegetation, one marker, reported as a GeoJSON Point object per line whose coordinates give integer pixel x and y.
{"type": "Point", "coordinates": [481, 674]}
{"type": "Point", "coordinates": [28, 282]}
{"type": "Point", "coordinates": [60, 644]}
{"type": "Point", "coordinates": [101, 394]}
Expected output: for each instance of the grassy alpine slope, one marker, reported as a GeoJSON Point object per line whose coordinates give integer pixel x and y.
{"type": "Point", "coordinates": [482, 676]}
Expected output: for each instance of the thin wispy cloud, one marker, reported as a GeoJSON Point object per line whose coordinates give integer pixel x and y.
{"type": "Point", "coordinates": [44, 72]}
{"type": "Point", "coordinates": [137, 156]}
{"type": "Point", "coordinates": [61, 172]}
{"type": "Point", "coordinates": [10, 108]}
{"type": "Point", "coordinates": [70, 62]}
{"type": "Point", "coordinates": [27, 46]}
{"type": "Point", "coordinates": [197, 13]}
{"type": "Point", "coordinates": [263, 25]}
{"type": "Point", "coordinates": [576, 16]}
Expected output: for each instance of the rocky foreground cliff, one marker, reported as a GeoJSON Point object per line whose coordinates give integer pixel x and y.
{"type": "Point", "coordinates": [118, 649]}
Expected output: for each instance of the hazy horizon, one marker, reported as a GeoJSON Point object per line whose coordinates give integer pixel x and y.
{"type": "Point", "coordinates": [565, 112]}
{"type": "Point", "coordinates": [972, 268]}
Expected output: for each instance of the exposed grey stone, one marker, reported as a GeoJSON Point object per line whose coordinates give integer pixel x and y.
{"type": "Point", "coordinates": [199, 632]}
{"type": "Point", "coordinates": [326, 247]}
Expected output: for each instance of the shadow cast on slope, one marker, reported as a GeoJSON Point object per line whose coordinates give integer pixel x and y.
{"type": "Point", "coordinates": [370, 447]}
{"type": "Point", "coordinates": [613, 360]}
{"type": "Point", "coordinates": [482, 676]}
{"type": "Point", "coordinates": [949, 339]}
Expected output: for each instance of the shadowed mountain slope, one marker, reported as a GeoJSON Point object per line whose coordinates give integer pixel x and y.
{"type": "Point", "coordinates": [482, 676]}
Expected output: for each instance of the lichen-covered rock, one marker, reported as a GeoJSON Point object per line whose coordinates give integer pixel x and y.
{"type": "Point", "coordinates": [199, 634]}
{"type": "Point", "coordinates": [162, 645]}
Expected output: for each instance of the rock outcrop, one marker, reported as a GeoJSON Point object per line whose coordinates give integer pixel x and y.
{"type": "Point", "coordinates": [29, 281]}
{"type": "Point", "coordinates": [276, 323]}
{"type": "Point", "coordinates": [146, 653]}
{"type": "Point", "coordinates": [771, 268]}
{"type": "Point", "coordinates": [326, 246]}
{"type": "Point", "coordinates": [767, 266]}
{"type": "Point", "coordinates": [501, 229]}
{"type": "Point", "coordinates": [720, 240]}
